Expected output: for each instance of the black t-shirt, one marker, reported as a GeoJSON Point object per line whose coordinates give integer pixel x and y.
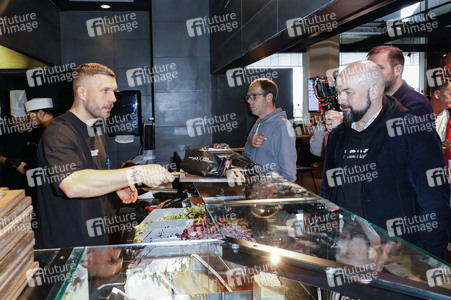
{"type": "Point", "coordinates": [349, 195]}
{"type": "Point", "coordinates": [356, 169]}
{"type": "Point", "coordinates": [67, 146]}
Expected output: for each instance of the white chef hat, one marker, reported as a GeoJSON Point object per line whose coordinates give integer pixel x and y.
{"type": "Point", "coordinates": [38, 103]}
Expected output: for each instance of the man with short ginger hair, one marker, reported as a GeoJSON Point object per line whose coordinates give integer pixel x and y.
{"type": "Point", "coordinates": [376, 160]}
{"type": "Point", "coordinates": [72, 207]}
{"type": "Point", "coordinates": [391, 61]}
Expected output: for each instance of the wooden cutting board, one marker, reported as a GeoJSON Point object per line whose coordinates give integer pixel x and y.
{"type": "Point", "coordinates": [9, 200]}
{"type": "Point", "coordinates": [12, 234]}
{"type": "Point", "coordinates": [16, 290]}
{"type": "Point", "coordinates": [9, 265]}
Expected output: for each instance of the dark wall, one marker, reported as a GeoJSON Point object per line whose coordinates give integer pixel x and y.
{"type": "Point", "coordinates": [189, 95]}
{"type": "Point", "coordinates": [258, 20]}
{"type": "Point", "coordinates": [228, 100]}
{"type": "Point", "coordinates": [17, 80]}
{"type": "Point", "coordinates": [119, 51]}
{"type": "Point", "coordinates": [41, 41]}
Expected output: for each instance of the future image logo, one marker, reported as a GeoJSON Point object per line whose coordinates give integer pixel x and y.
{"type": "Point", "coordinates": [110, 25]}
{"type": "Point", "coordinates": [36, 177]}
{"type": "Point", "coordinates": [437, 177]}
{"type": "Point", "coordinates": [50, 275]}
{"type": "Point", "coordinates": [349, 175]}
{"type": "Point", "coordinates": [360, 273]}
{"type": "Point", "coordinates": [241, 76]}
{"type": "Point", "coordinates": [438, 276]}
{"type": "Point", "coordinates": [301, 225]}
{"type": "Point", "coordinates": [438, 76]}
{"type": "Point", "coordinates": [414, 224]}
{"type": "Point", "coordinates": [96, 227]}
{"type": "Point", "coordinates": [10, 125]}
{"type": "Point", "coordinates": [310, 25]}
{"type": "Point", "coordinates": [245, 276]}
{"type": "Point", "coordinates": [410, 125]}
{"type": "Point", "coordinates": [18, 23]}
{"type": "Point", "coordinates": [118, 123]}
{"type": "Point", "coordinates": [208, 25]}
{"type": "Point", "coordinates": [41, 76]}
{"type": "Point", "coordinates": [146, 75]}
{"type": "Point", "coordinates": [235, 177]}
{"type": "Point", "coordinates": [109, 225]}
{"type": "Point", "coordinates": [412, 25]}
{"type": "Point", "coordinates": [212, 124]}
{"type": "Point", "coordinates": [40, 176]}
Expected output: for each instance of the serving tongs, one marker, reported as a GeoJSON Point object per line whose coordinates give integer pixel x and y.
{"type": "Point", "coordinates": [165, 280]}
{"type": "Point", "coordinates": [212, 271]}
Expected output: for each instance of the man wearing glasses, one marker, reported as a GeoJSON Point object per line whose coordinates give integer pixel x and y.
{"type": "Point", "coordinates": [272, 140]}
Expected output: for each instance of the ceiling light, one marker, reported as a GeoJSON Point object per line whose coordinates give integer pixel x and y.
{"type": "Point", "coordinates": [105, 6]}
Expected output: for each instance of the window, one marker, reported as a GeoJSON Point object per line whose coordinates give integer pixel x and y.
{"type": "Point", "coordinates": [287, 60]}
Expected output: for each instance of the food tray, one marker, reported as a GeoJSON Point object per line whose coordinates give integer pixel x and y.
{"type": "Point", "coordinates": [164, 230]}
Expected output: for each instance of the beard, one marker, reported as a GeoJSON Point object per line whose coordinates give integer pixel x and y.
{"type": "Point", "coordinates": [389, 84]}
{"type": "Point", "coordinates": [355, 115]}
{"type": "Point", "coordinates": [96, 112]}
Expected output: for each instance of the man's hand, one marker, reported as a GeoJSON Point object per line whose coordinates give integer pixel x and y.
{"type": "Point", "coordinates": [128, 194]}
{"type": "Point", "coordinates": [257, 140]}
{"type": "Point", "coordinates": [150, 175]}
{"type": "Point", "coordinates": [333, 119]}
{"type": "Point", "coordinates": [21, 168]}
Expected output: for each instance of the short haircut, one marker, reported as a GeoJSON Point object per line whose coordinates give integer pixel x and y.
{"type": "Point", "coordinates": [395, 56]}
{"type": "Point", "coordinates": [268, 86]}
{"type": "Point", "coordinates": [91, 69]}
{"type": "Point", "coordinates": [440, 88]}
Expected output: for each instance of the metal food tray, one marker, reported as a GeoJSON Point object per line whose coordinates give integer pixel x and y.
{"type": "Point", "coordinates": [199, 256]}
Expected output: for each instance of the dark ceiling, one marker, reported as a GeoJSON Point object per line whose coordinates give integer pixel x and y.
{"type": "Point", "coordinates": [360, 35]}
{"type": "Point", "coordinates": [374, 31]}
{"type": "Point", "coordinates": [117, 5]}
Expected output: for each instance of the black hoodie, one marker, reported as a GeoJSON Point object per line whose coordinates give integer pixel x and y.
{"type": "Point", "coordinates": [392, 181]}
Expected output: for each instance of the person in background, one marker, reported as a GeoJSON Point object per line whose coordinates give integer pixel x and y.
{"type": "Point", "coordinates": [272, 140]}
{"type": "Point", "coordinates": [391, 61]}
{"type": "Point", "coordinates": [15, 133]}
{"type": "Point", "coordinates": [73, 208]}
{"type": "Point", "coordinates": [333, 119]}
{"type": "Point", "coordinates": [441, 102]}
{"type": "Point", "coordinates": [40, 112]}
{"type": "Point", "coordinates": [376, 160]}
{"type": "Point", "coordinates": [318, 141]}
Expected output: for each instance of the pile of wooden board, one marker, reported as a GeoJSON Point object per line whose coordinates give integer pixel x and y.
{"type": "Point", "coordinates": [16, 242]}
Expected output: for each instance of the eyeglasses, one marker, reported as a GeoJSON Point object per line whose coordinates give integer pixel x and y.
{"type": "Point", "coordinates": [253, 96]}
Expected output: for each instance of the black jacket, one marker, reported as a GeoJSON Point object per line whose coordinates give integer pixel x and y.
{"type": "Point", "coordinates": [411, 181]}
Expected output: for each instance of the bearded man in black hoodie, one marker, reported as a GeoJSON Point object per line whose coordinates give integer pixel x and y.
{"type": "Point", "coordinates": [386, 165]}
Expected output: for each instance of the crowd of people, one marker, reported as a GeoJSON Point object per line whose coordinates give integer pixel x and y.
{"type": "Point", "coordinates": [365, 135]}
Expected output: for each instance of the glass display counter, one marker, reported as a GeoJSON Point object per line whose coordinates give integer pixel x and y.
{"type": "Point", "coordinates": [317, 243]}
{"type": "Point", "coordinates": [271, 238]}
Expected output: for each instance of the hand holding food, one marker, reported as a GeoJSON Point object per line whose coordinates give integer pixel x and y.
{"type": "Point", "coordinates": [152, 175]}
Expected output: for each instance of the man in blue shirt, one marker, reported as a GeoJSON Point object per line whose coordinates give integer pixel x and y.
{"type": "Point", "coordinates": [391, 61]}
